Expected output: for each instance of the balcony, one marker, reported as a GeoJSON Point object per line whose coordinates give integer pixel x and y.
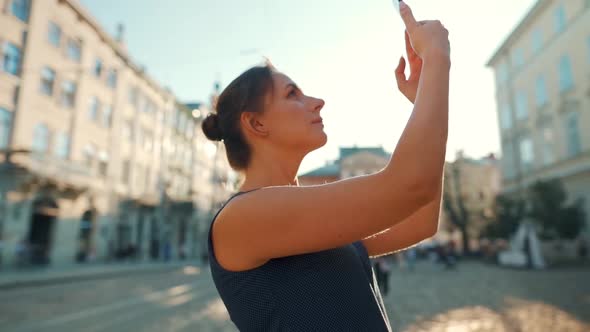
{"type": "Point", "coordinates": [30, 169]}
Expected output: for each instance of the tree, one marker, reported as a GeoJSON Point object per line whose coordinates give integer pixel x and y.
{"type": "Point", "coordinates": [549, 208]}
{"type": "Point", "coordinates": [454, 204]}
{"type": "Point", "coordinates": [506, 215]}
{"type": "Point", "coordinates": [458, 215]}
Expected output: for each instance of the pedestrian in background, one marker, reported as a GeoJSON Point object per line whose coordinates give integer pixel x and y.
{"type": "Point", "coordinates": [410, 255]}
{"type": "Point", "coordinates": [382, 269]}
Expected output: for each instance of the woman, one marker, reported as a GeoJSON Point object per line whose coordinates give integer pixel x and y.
{"type": "Point", "coordinates": [290, 258]}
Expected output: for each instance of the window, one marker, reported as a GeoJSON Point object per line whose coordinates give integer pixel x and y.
{"type": "Point", "coordinates": [40, 138]}
{"type": "Point", "coordinates": [566, 80]}
{"type": "Point", "coordinates": [97, 68]}
{"type": "Point", "coordinates": [20, 9]}
{"type": "Point", "coordinates": [133, 95]}
{"type": "Point", "coordinates": [559, 18]}
{"type": "Point", "coordinates": [518, 58]}
{"type": "Point", "coordinates": [107, 116]}
{"type": "Point", "coordinates": [74, 49]}
{"type": "Point", "coordinates": [505, 116]}
{"type": "Point", "coordinates": [540, 91]}
{"type": "Point", "coordinates": [176, 118]}
{"type": "Point", "coordinates": [11, 57]}
{"type": "Point", "coordinates": [62, 146]}
{"type": "Point", "coordinates": [112, 78]}
{"type": "Point", "coordinates": [128, 130]}
{"type": "Point", "coordinates": [94, 109]}
{"type": "Point", "coordinates": [148, 177]}
{"type": "Point", "coordinates": [526, 153]}
{"type": "Point", "coordinates": [47, 81]}
{"type": "Point", "coordinates": [5, 125]}
{"type": "Point", "coordinates": [89, 153]}
{"type": "Point", "coordinates": [188, 156]}
{"type": "Point", "coordinates": [507, 160]}
{"type": "Point", "coordinates": [181, 122]}
{"type": "Point", "coordinates": [68, 94]}
{"type": "Point", "coordinates": [160, 116]}
{"type": "Point", "coordinates": [126, 171]}
{"type": "Point", "coordinates": [502, 73]}
{"type": "Point", "coordinates": [16, 94]}
{"type": "Point", "coordinates": [146, 106]}
{"type": "Point", "coordinates": [521, 105]}
{"type": "Point", "coordinates": [148, 141]}
{"type": "Point", "coordinates": [103, 163]}
{"type": "Point", "coordinates": [139, 179]}
{"type": "Point", "coordinates": [572, 131]}
{"type": "Point", "coordinates": [190, 129]}
{"type": "Point", "coordinates": [548, 140]}
{"type": "Point", "coordinates": [537, 41]}
{"type": "Point", "coordinates": [54, 34]}
{"type": "Point", "coordinates": [139, 138]}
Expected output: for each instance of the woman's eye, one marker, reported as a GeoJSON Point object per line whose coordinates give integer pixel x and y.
{"type": "Point", "coordinates": [292, 93]}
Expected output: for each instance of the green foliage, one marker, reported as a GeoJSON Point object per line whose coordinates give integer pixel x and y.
{"type": "Point", "coordinates": [507, 213]}
{"type": "Point", "coordinates": [549, 208]}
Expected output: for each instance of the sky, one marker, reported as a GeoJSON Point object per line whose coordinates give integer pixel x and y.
{"type": "Point", "coordinates": [342, 51]}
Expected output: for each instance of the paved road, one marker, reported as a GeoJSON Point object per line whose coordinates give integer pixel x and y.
{"type": "Point", "coordinates": [476, 297]}
{"type": "Point", "coordinates": [179, 300]}
{"type": "Point", "coordinates": [481, 297]}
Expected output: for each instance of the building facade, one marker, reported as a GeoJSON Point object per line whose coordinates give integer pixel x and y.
{"type": "Point", "coordinates": [351, 162]}
{"type": "Point", "coordinates": [98, 160]}
{"type": "Point", "coordinates": [542, 74]}
{"type": "Point", "coordinates": [474, 183]}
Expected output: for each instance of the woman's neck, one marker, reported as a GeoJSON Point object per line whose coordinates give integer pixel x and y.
{"type": "Point", "coordinates": [270, 172]}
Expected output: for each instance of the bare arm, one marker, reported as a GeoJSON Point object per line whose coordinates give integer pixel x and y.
{"type": "Point", "coordinates": [419, 226]}
{"type": "Point", "coordinates": [284, 221]}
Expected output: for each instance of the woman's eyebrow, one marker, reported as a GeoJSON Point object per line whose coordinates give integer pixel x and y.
{"type": "Point", "coordinates": [292, 85]}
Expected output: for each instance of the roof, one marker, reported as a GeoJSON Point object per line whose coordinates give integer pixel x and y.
{"type": "Point", "coordinates": [194, 105]}
{"type": "Point", "coordinates": [119, 50]}
{"type": "Point", "coordinates": [517, 31]}
{"type": "Point", "coordinates": [346, 152]}
{"type": "Point", "coordinates": [331, 169]}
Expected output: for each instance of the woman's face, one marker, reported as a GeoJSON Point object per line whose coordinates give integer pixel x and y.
{"type": "Point", "coordinates": [293, 119]}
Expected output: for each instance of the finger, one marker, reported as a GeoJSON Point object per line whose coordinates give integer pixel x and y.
{"type": "Point", "coordinates": [407, 16]}
{"type": "Point", "coordinates": [409, 49]}
{"type": "Point", "coordinates": [400, 75]}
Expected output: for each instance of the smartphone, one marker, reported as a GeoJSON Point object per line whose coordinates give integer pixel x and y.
{"type": "Point", "coordinates": [396, 5]}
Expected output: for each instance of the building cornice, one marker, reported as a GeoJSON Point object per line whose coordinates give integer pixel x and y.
{"type": "Point", "coordinates": [119, 50]}
{"type": "Point", "coordinates": [516, 33]}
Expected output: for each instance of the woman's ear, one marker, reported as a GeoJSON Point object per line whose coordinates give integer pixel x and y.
{"type": "Point", "coordinates": [251, 123]}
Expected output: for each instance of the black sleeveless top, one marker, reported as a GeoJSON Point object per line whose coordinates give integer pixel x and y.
{"type": "Point", "coordinates": [330, 290]}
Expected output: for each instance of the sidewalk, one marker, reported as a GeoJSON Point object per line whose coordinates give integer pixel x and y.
{"type": "Point", "coordinates": [35, 276]}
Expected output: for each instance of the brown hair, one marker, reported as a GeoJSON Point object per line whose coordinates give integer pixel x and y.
{"type": "Point", "coordinates": [246, 93]}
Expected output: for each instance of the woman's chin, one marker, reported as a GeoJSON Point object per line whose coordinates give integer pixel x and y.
{"type": "Point", "coordinates": [322, 140]}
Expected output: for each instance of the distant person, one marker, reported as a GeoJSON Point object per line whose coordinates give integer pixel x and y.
{"type": "Point", "coordinates": [382, 269]}
{"type": "Point", "coordinates": [22, 252]}
{"type": "Point", "coordinates": [291, 258]}
{"type": "Point", "coordinates": [582, 248]}
{"type": "Point", "coordinates": [410, 255]}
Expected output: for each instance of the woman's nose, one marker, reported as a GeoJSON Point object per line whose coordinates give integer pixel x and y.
{"type": "Point", "coordinates": [319, 104]}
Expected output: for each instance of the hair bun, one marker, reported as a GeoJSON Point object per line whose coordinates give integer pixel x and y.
{"type": "Point", "coordinates": [211, 127]}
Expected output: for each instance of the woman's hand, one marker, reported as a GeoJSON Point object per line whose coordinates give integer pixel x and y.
{"type": "Point", "coordinates": [424, 40]}
{"type": "Point", "coordinates": [409, 87]}
{"type": "Point", "coordinates": [428, 38]}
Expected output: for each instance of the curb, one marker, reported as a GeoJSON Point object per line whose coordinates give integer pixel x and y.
{"type": "Point", "coordinates": [90, 274]}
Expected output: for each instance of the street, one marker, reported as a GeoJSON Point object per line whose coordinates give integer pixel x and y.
{"type": "Point", "coordinates": [475, 297]}
{"type": "Point", "coordinates": [180, 300]}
